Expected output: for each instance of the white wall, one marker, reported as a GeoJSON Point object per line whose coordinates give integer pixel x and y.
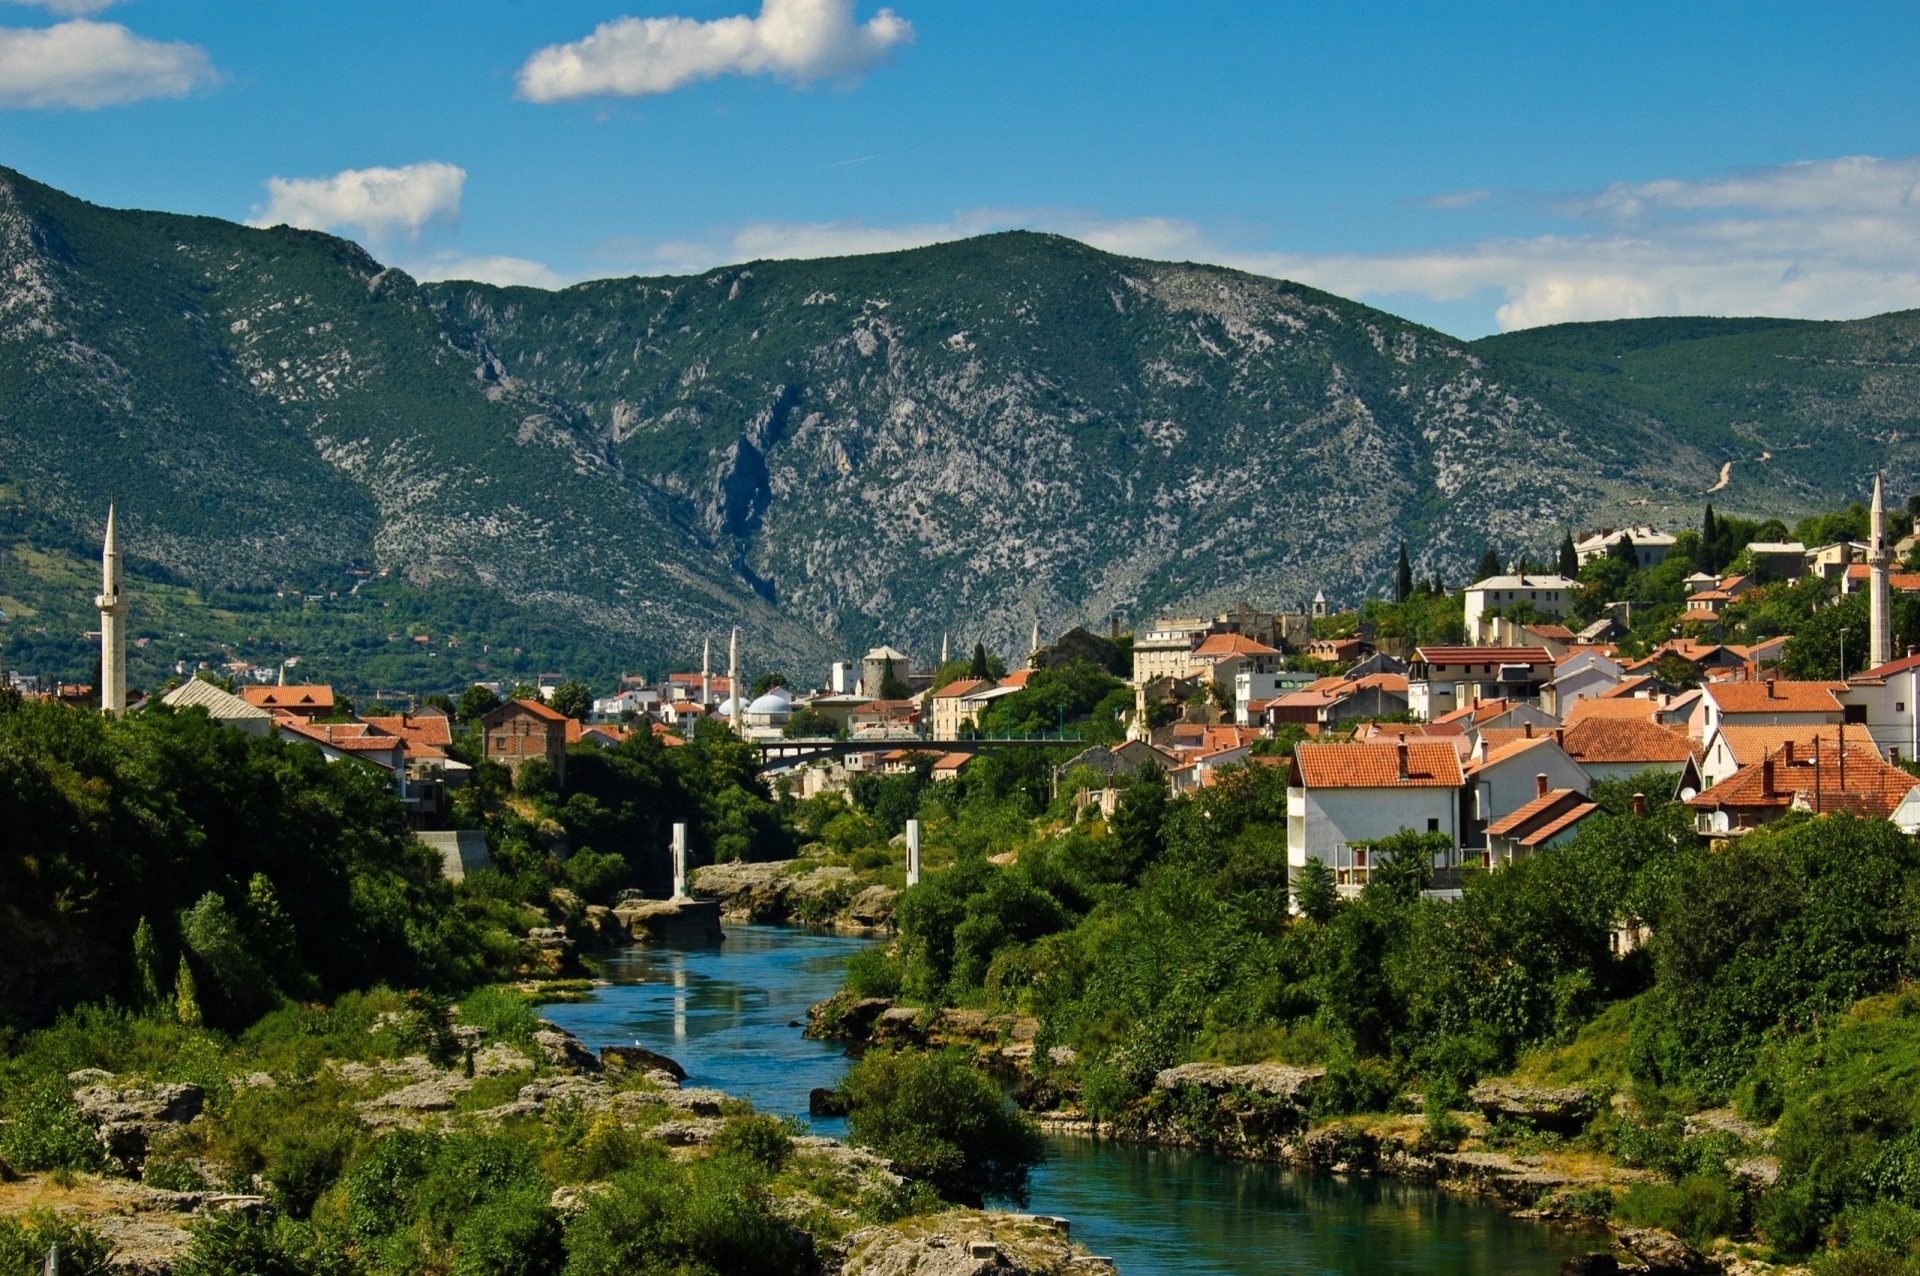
{"type": "Point", "coordinates": [1323, 823]}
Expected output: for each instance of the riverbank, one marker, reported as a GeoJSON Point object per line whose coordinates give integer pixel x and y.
{"type": "Point", "coordinates": [1519, 1147]}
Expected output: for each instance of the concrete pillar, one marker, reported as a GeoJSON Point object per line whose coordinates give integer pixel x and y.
{"type": "Point", "coordinates": [679, 861]}
{"type": "Point", "coordinates": [913, 852]}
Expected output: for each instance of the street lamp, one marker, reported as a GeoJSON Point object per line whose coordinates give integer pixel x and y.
{"type": "Point", "coordinates": [1843, 653]}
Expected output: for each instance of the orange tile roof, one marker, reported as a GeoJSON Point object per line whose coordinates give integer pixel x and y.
{"type": "Point", "coordinates": [1501, 753]}
{"type": "Point", "coordinates": [1483, 711]}
{"type": "Point", "coordinates": [1871, 788]}
{"type": "Point", "coordinates": [1625, 709]}
{"type": "Point", "coordinates": [1018, 678]}
{"type": "Point", "coordinates": [960, 687]}
{"type": "Point", "coordinates": [538, 710]}
{"type": "Point", "coordinates": [1624, 741]}
{"type": "Point", "coordinates": [1543, 817]}
{"type": "Point", "coordinates": [1776, 696]}
{"type": "Point", "coordinates": [1430, 764]}
{"type": "Point", "coordinates": [348, 737]}
{"type": "Point", "coordinates": [1221, 645]}
{"type": "Point", "coordinates": [434, 729]}
{"type": "Point", "coordinates": [1699, 615]}
{"type": "Point", "coordinates": [1627, 688]}
{"type": "Point", "coordinates": [1558, 633]}
{"type": "Point", "coordinates": [1483, 655]}
{"type": "Point", "coordinates": [308, 696]}
{"type": "Point", "coordinates": [1751, 743]}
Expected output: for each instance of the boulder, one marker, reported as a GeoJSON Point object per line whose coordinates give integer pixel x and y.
{"type": "Point", "coordinates": [126, 1120]}
{"type": "Point", "coordinates": [1562, 1109]}
{"type": "Point", "coordinates": [637, 1058]}
{"type": "Point", "coordinates": [698, 1102]}
{"type": "Point", "coordinates": [845, 1017]}
{"type": "Point", "coordinates": [655, 921]}
{"type": "Point", "coordinates": [564, 1050]}
{"type": "Point", "coordinates": [1277, 1079]}
{"type": "Point", "coordinates": [1660, 1253]}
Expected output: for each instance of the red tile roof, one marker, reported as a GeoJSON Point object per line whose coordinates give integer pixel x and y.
{"type": "Point", "coordinates": [1222, 645]}
{"type": "Point", "coordinates": [309, 696]}
{"type": "Point", "coordinates": [960, 687]}
{"type": "Point", "coordinates": [1622, 741]}
{"type": "Point", "coordinates": [1540, 819]}
{"type": "Point", "coordinates": [1751, 743]}
{"type": "Point", "coordinates": [1502, 753]}
{"type": "Point", "coordinates": [1776, 695]}
{"type": "Point", "coordinates": [1429, 764]}
{"type": "Point", "coordinates": [432, 729]}
{"type": "Point", "coordinates": [1483, 655]}
{"type": "Point", "coordinates": [1871, 788]}
{"type": "Point", "coordinates": [1624, 709]}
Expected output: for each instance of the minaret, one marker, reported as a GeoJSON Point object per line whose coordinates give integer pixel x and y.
{"type": "Point", "coordinates": [1880, 642]}
{"type": "Point", "coordinates": [736, 718]}
{"type": "Point", "coordinates": [1034, 650]}
{"type": "Point", "coordinates": [943, 646]}
{"type": "Point", "coordinates": [113, 636]}
{"type": "Point", "coordinates": [706, 672]}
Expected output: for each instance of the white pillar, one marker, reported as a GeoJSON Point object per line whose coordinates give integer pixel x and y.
{"type": "Point", "coordinates": [679, 861]}
{"type": "Point", "coordinates": [1879, 600]}
{"type": "Point", "coordinates": [113, 637]}
{"type": "Point", "coordinates": [913, 852]}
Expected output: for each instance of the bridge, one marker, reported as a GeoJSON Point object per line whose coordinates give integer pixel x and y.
{"type": "Point", "coordinates": [808, 748]}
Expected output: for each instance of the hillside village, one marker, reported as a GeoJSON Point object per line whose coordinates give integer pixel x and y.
{"type": "Point", "coordinates": [1477, 723]}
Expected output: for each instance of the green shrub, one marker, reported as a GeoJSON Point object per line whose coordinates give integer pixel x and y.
{"type": "Point", "coordinates": [513, 1233]}
{"type": "Point", "coordinates": [1354, 1085]}
{"type": "Point", "coordinates": [700, 1218]}
{"type": "Point", "coordinates": [172, 1174]}
{"type": "Point", "coordinates": [241, 1243]}
{"type": "Point", "coordinates": [871, 972]}
{"type": "Point", "coordinates": [502, 1013]}
{"type": "Point", "coordinates": [938, 1119]}
{"type": "Point", "coordinates": [26, 1238]}
{"type": "Point", "coordinates": [765, 1141]}
{"type": "Point", "coordinates": [45, 1131]}
{"type": "Point", "coordinates": [1697, 1208]}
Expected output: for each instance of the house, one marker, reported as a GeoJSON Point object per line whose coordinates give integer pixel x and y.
{"type": "Point", "coordinates": [1830, 562]}
{"type": "Point", "coordinates": [836, 706]}
{"type": "Point", "coordinates": [632, 702]}
{"type": "Point", "coordinates": [1774, 702]}
{"type": "Point", "coordinates": [1786, 560]}
{"type": "Point", "coordinates": [1502, 779]}
{"type": "Point", "coordinates": [1166, 650]}
{"type": "Point", "coordinates": [1729, 748]}
{"type": "Point", "coordinates": [1443, 679]}
{"type": "Point", "coordinates": [1224, 656]}
{"type": "Point", "coordinates": [1650, 548]}
{"type": "Point", "coordinates": [313, 700]}
{"type": "Point", "coordinates": [522, 729]}
{"type": "Point", "coordinates": [428, 736]}
{"type": "Point", "coordinates": [1343, 798]}
{"type": "Point", "coordinates": [948, 709]}
{"type": "Point", "coordinates": [1887, 701]}
{"type": "Point", "coordinates": [222, 706]}
{"type": "Point", "coordinates": [338, 740]}
{"type": "Point", "coordinates": [1533, 597]}
{"type": "Point", "coordinates": [1821, 781]}
{"type": "Point", "coordinates": [1898, 582]}
{"type": "Point", "coordinates": [1547, 821]}
{"type": "Point", "coordinates": [886, 720]}
{"type": "Point", "coordinates": [698, 688]}
{"type": "Point", "coordinates": [1585, 675]}
{"type": "Point", "coordinates": [1335, 651]}
{"type": "Point", "coordinates": [1614, 748]}
{"type": "Point", "coordinates": [1332, 701]}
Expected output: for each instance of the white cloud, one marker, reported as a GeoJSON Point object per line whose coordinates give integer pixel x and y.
{"type": "Point", "coordinates": [505, 271]}
{"type": "Point", "coordinates": [794, 40]}
{"type": "Point", "coordinates": [70, 8]}
{"type": "Point", "coordinates": [92, 64]}
{"type": "Point", "coordinates": [383, 203]}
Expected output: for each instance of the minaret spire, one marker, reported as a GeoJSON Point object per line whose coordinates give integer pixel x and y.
{"type": "Point", "coordinates": [735, 718]}
{"type": "Point", "coordinates": [943, 646]}
{"type": "Point", "coordinates": [1880, 641]}
{"type": "Point", "coordinates": [706, 672]}
{"type": "Point", "coordinates": [113, 614]}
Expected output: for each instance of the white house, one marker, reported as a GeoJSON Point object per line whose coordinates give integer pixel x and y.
{"type": "Point", "coordinates": [1548, 595]}
{"type": "Point", "coordinates": [1776, 702]}
{"type": "Point", "coordinates": [1887, 701]}
{"type": "Point", "coordinates": [1585, 675]}
{"type": "Point", "coordinates": [1729, 748]}
{"type": "Point", "coordinates": [1346, 797]}
{"type": "Point", "coordinates": [1649, 547]}
{"type": "Point", "coordinates": [1503, 779]}
{"type": "Point", "coordinates": [1549, 820]}
{"type": "Point", "coordinates": [1443, 679]}
{"type": "Point", "coordinates": [1166, 650]}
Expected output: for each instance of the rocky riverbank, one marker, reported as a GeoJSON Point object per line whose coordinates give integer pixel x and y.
{"type": "Point", "coordinates": [165, 1143]}
{"type": "Point", "coordinates": [801, 891]}
{"type": "Point", "coordinates": [1514, 1148]}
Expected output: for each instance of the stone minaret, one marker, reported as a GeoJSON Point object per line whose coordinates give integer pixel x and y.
{"type": "Point", "coordinates": [113, 621]}
{"type": "Point", "coordinates": [706, 672]}
{"type": "Point", "coordinates": [737, 719]}
{"type": "Point", "coordinates": [1880, 641]}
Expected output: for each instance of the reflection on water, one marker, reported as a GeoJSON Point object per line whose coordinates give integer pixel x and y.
{"type": "Point", "coordinates": [728, 1014]}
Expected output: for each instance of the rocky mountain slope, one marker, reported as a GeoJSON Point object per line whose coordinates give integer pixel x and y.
{"type": "Point", "coordinates": [964, 438]}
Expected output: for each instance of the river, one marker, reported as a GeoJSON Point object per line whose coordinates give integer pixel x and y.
{"type": "Point", "coordinates": [731, 1015]}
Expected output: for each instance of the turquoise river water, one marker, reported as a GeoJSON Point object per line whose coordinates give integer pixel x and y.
{"type": "Point", "coordinates": [731, 1015]}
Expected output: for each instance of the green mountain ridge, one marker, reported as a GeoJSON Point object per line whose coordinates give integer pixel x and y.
{"type": "Point", "coordinates": [966, 438]}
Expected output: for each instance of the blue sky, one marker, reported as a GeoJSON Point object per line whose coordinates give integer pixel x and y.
{"type": "Point", "coordinates": [1476, 167]}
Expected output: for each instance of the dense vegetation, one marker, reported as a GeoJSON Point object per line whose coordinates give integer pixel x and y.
{"type": "Point", "coordinates": [1165, 936]}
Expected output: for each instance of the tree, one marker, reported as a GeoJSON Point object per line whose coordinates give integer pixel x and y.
{"type": "Point", "coordinates": [1403, 863]}
{"type": "Point", "coordinates": [1569, 557]}
{"type": "Point", "coordinates": [146, 966]}
{"type": "Point", "coordinates": [980, 668]}
{"type": "Point", "coordinates": [1489, 564]}
{"type": "Point", "coordinates": [1315, 891]}
{"type": "Point", "coordinates": [810, 723]}
{"type": "Point", "coordinates": [574, 699]}
{"type": "Point", "coordinates": [1402, 577]}
{"type": "Point", "coordinates": [476, 702]}
{"type": "Point", "coordinates": [186, 999]}
{"type": "Point", "coordinates": [767, 682]}
{"type": "Point", "coordinates": [891, 688]}
{"type": "Point", "coordinates": [1709, 542]}
{"type": "Point", "coordinates": [940, 1120]}
{"type": "Point", "coordinates": [1622, 551]}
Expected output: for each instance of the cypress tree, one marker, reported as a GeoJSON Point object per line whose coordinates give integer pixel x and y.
{"type": "Point", "coordinates": [1403, 577]}
{"type": "Point", "coordinates": [146, 961]}
{"type": "Point", "coordinates": [1569, 557]}
{"type": "Point", "coordinates": [1489, 563]}
{"type": "Point", "coordinates": [186, 999]}
{"type": "Point", "coordinates": [979, 669]}
{"type": "Point", "coordinates": [1709, 537]}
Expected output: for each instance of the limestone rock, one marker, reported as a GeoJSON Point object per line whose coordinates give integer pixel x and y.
{"type": "Point", "coordinates": [1660, 1253]}
{"type": "Point", "coordinates": [968, 1243]}
{"type": "Point", "coordinates": [699, 1102]}
{"type": "Point", "coordinates": [1565, 1109]}
{"type": "Point", "coordinates": [845, 1017]}
{"type": "Point", "coordinates": [564, 1050]}
{"type": "Point", "coordinates": [126, 1120]}
{"type": "Point", "coordinates": [637, 1058]}
{"type": "Point", "coordinates": [1278, 1079]}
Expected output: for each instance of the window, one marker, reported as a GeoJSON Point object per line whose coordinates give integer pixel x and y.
{"type": "Point", "coordinates": [1433, 825]}
{"type": "Point", "coordinates": [1856, 714]}
{"type": "Point", "coordinates": [1899, 706]}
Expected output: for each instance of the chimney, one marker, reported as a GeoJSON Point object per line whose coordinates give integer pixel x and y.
{"type": "Point", "coordinates": [1841, 749]}
{"type": "Point", "coordinates": [1788, 753]}
{"type": "Point", "coordinates": [1528, 728]}
{"type": "Point", "coordinates": [1401, 750]}
{"type": "Point", "coordinates": [1640, 805]}
{"type": "Point", "coordinates": [1540, 785]}
{"type": "Point", "coordinates": [1771, 694]}
{"type": "Point", "coordinates": [1766, 775]}
{"type": "Point", "coordinates": [1816, 775]}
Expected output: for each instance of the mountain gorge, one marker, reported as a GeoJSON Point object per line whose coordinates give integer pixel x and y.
{"type": "Point", "coordinates": [965, 438]}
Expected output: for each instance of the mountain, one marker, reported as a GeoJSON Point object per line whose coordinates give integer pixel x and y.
{"type": "Point", "coordinates": [964, 438]}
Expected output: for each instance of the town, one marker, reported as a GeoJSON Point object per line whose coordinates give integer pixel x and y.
{"type": "Point", "coordinates": [1478, 732]}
